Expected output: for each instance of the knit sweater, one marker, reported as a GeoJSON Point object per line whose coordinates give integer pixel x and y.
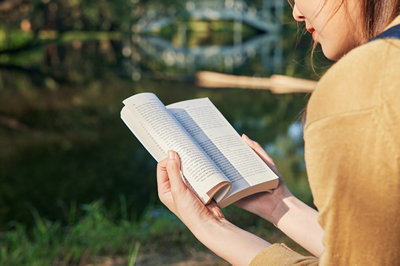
{"type": "Point", "coordinates": [352, 153]}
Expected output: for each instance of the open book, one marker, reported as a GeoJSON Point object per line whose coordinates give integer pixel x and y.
{"type": "Point", "coordinates": [216, 162]}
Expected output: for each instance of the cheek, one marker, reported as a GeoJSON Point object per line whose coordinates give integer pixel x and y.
{"type": "Point", "coordinates": [338, 43]}
{"type": "Point", "coordinates": [337, 37]}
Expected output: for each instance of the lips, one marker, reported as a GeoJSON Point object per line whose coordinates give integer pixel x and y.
{"type": "Point", "coordinates": [313, 32]}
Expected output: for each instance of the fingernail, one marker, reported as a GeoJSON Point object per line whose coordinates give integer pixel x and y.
{"type": "Point", "coordinates": [171, 154]}
{"type": "Point", "coordinates": [245, 136]}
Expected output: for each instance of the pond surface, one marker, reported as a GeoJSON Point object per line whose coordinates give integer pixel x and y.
{"type": "Point", "coordinates": [63, 143]}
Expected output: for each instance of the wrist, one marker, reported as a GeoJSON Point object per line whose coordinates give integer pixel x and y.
{"type": "Point", "coordinates": [282, 207]}
{"type": "Point", "coordinates": [200, 226]}
{"type": "Point", "coordinates": [275, 205]}
{"type": "Point", "coordinates": [230, 242]}
{"type": "Point", "coordinates": [211, 231]}
{"type": "Point", "coordinates": [200, 221]}
{"type": "Point", "coordinates": [300, 222]}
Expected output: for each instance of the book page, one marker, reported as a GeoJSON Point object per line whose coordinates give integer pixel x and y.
{"type": "Point", "coordinates": [222, 143]}
{"type": "Point", "coordinates": [143, 135]}
{"type": "Point", "coordinates": [167, 134]}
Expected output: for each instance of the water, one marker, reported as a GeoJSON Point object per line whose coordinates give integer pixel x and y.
{"type": "Point", "coordinates": [63, 143]}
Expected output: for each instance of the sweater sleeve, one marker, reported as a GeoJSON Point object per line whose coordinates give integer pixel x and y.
{"type": "Point", "coordinates": [280, 254]}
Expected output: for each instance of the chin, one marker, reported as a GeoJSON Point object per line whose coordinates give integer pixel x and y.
{"type": "Point", "coordinates": [335, 52]}
{"type": "Point", "coordinates": [331, 54]}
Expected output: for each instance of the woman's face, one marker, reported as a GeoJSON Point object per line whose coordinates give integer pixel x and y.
{"type": "Point", "coordinates": [336, 26]}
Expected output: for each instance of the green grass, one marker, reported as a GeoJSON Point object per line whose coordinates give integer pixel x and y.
{"type": "Point", "coordinates": [158, 236]}
{"type": "Point", "coordinates": [94, 235]}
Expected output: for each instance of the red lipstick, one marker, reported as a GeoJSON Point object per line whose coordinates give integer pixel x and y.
{"type": "Point", "coordinates": [313, 32]}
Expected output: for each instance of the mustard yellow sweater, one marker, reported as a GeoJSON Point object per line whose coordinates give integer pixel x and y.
{"type": "Point", "coordinates": [352, 152]}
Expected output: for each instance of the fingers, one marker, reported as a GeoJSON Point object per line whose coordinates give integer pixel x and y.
{"type": "Point", "coordinates": [257, 148]}
{"type": "Point", "coordinates": [163, 184]}
{"type": "Point", "coordinates": [174, 173]}
{"type": "Point", "coordinates": [162, 170]}
{"type": "Point", "coordinates": [215, 210]}
{"type": "Point", "coordinates": [261, 152]}
{"type": "Point", "coordinates": [253, 144]}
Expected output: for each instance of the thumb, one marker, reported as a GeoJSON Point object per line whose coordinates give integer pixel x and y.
{"type": "Point", "coordinates": [174, 173]}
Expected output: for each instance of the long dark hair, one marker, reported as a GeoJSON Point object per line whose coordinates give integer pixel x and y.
{"type": "Point", "coordinates": [377, 15]}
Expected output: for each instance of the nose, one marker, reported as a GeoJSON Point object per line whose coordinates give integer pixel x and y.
{"type": "Point", "coordinates": [297, 15]}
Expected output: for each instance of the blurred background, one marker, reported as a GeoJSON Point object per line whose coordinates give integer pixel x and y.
{"type": "Point", "coordinates": [76, 187]}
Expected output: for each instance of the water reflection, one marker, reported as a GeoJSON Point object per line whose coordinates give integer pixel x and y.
{"type": "Point", "coordinates": [265, 15]}
{"type": "Point", "coordinates": [265, 47]}
{"type": "Point", "coordinates": [254, 37]}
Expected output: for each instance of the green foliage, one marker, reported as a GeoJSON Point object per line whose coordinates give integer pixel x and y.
{"type": "Point", "coordinates": [49, 243]}
{"type": "Point", "coordinates": [100, 234]}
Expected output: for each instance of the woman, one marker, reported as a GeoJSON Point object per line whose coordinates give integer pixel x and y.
{"type": "Point", "coordinates": [352, 152]}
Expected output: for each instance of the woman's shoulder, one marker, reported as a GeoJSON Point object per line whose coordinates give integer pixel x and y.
{"type": "Point", "coordinates": [364, 78]}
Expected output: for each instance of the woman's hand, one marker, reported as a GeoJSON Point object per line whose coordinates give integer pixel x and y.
{"type": "Point", "coordinates": [207, 223]}
{"type": "Point", "coordinates": [268, 205]}
{"type": "Point", "coordinates": [174, 194]}
{"type": "Point", "coordinates": [280, 207]}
